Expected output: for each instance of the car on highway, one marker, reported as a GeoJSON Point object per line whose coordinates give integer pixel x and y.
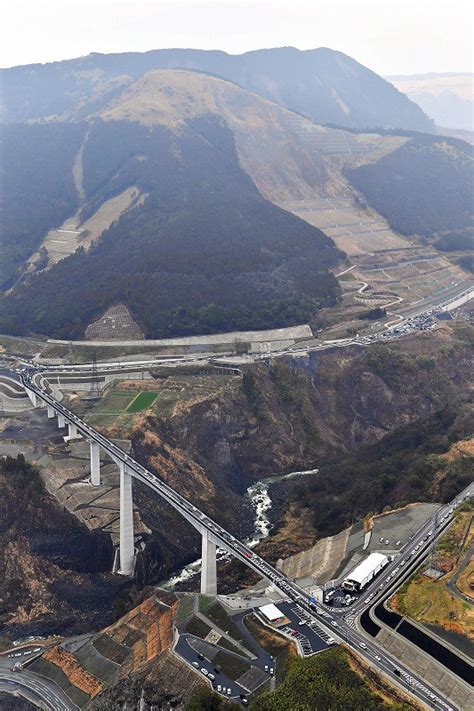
{"type": "Point", "coordinates": [363, 645]}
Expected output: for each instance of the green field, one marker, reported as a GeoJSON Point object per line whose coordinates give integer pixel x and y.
{"type": "Point", "coordinates": [142, 401]}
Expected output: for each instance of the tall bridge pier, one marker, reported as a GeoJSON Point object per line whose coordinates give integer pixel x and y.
{"type": "Point", "coordinates": [126, 535]}
{"type": "Point", "coordinates": [208, 565]}
{"type": "Point", "coordinates": [127, 547]}
{"type": "Point", "coordinates": [95, 463]}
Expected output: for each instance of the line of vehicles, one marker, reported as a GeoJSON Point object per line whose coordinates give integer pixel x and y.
{"type": "Point", "coordinates": [224, 539]}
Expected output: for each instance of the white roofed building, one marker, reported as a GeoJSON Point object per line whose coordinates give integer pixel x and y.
{"type": "Point", "coordinates": [363, 573]}
{"type": "Point", "coordinates": [271, 613]}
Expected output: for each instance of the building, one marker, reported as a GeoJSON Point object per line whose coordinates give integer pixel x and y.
{"type": "Point", "coordinates": [363, 573]}
{"type": "Point", "coordinates": [273, 615]}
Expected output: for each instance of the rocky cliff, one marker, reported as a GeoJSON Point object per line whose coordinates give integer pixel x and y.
{"type": "Point", "coordinates": [285, 416]}
{"type": "Point", "coordinates": [53, 570]}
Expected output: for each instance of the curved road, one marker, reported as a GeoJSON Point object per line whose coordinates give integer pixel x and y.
{"type": "Point", "coordinates": [340, 626]}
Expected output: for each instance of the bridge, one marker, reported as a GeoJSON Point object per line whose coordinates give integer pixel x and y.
{"type": "Point", "coordinates": [337, 623]}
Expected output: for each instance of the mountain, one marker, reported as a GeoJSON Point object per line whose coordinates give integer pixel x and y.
{"type": "Point", "coordinates": [197, 250]}
{"type": "Point", "coordinates": [424, 187]}
{"type": "Point", "coordinates": [322, 84]}
{"type": "Point", "coordinates": [175, 200]}
{"type": "Point", "coordinates": [446, 98]}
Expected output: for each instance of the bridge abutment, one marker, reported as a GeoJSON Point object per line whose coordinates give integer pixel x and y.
{"type": "Point", "coordinates": [95, 463]}
{"type": "Point", "coordinates": [127, 548]}
{"type": "Point", "coordinates": [208, 565]}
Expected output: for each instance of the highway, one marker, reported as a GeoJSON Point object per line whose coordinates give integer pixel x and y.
{"type": "Point", "coordinates": [334, 622]}
{"type": "Point", "coordinates": [418, 320]}
{"type": "Point", "coordinates": [32, 686]}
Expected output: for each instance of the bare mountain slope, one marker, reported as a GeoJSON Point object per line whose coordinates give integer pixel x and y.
{"type": "Point", "coordinates": [294, 163]}
{"type": "Point", "coordinates": [198, 246]}
{"type": "Point", "coordinates": [325, 85]}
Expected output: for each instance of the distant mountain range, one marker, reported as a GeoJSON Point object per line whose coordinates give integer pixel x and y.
{"type": "Point", "coordinates": [446, 98]}
{"type": "Point", "coordinates": [173, 195]}
{"type": "Point", "coordinates": [322, 84]}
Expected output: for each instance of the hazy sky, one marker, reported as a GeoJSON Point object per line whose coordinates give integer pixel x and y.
{"type": "Point", "coordinates": [389, 36]}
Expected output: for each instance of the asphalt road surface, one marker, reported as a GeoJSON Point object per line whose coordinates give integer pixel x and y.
{"type": "Point", "coordinates": [333, 622]}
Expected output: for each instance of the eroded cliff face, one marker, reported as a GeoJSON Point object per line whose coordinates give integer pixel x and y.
{"type": "Point", "coordinates": [54, 572]}
{"type": "Point", "coordinates": [284, 416]}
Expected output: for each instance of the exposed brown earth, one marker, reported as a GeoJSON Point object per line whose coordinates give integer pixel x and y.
{"type": "Point", "coordinates": [76, 674]}
{"type": "Point", "coordinates": [130, 646]}
{"type": "Point", "coordinates": [54, 572]}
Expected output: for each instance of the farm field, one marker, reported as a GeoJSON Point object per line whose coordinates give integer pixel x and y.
{"type": "Point", "coordinates": [142, 401]}
{"type": "Point", "coordinates": [115, 413]}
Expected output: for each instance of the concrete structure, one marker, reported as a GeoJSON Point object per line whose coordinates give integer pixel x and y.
{"type": "Point", "coordinates": [33, 398]}
{"type": "Point", "coordinates": [71, 431]}
{"type": "Point", "coordinates": [208, 565]}
{"type": "Point", "coordinates": [214, 534]}
{"type": "Point", "coordinates": [126, 535]}
{"type": "Point", "coordinates": [95, 463]}
{"type": "Point", "coordinates": [365, 572]}
{"type": "Point", "coordinates": [127, 549]}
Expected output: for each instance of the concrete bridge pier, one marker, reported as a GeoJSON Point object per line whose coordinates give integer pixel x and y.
{"type": "Point", "coordinates": [127, 547]}
{"type": "Point", "coordinates": [208, 565]}
{"type": "Point", "coordinates": [72, 430]}
{"type": "Point", "coordinates": [95, 463]}
{"type": "Point", "coordinates": [51, 412]}
{"type": "Point", "coordinates": [33, 398]}
{"type": "Point", "coordinates": [61, 421]}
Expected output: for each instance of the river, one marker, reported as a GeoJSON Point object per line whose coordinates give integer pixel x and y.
{"type": "Point", "coordinates": [259, 497]}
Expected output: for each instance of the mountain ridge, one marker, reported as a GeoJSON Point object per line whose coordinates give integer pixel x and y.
{"type": "Point", "coordinates": [197, 205]}
{"type": "Point", "coordinates": [326, 85]}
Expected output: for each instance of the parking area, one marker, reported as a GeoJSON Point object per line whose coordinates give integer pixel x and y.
{"type": "Point", "coordinates": [204, 657]}
{"type": "Point", "coordinates": [392, 531]}
{"type": "Point", "coordinates": [311, 636]}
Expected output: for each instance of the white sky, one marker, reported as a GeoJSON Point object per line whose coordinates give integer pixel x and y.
{"type": "Point", "coordinates": [389, 36]}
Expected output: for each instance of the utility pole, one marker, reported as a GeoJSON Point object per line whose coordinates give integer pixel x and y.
{"type": "Point", "coordinates": [94, 393]}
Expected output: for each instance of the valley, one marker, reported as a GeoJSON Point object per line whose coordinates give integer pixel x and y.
{"type": "Point", "coordinates": [236, 413]}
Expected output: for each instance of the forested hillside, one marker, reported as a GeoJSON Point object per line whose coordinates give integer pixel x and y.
{"type": "Point", "coordinates": [324, 682]}
{"type": "Point", "coordinates": [420, 461]}
{"type": "Point", "coordinates": [37, 190]}
{"type": "Point", "coordinates": [168, 198]}
{"type": "Point", "coordinates": [203, 253]}
{"type": "Point", "coordinates": [424, 187]}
